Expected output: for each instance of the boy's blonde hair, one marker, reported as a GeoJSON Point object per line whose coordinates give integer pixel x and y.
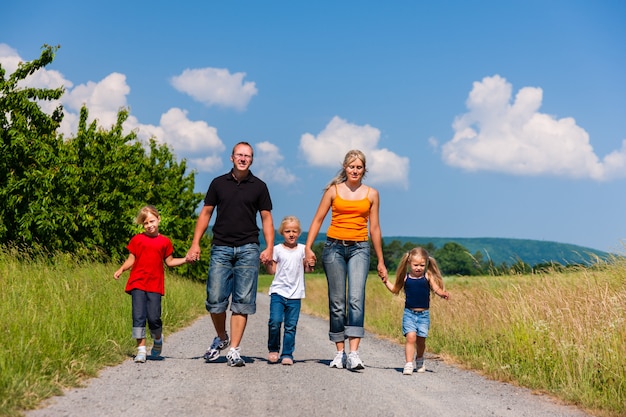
{"type": "Point", "coordinates": [288, 219]}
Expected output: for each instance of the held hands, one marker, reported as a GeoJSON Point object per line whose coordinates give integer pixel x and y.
{"type": "Point", "coordinates": [382, 272]}
{"type": "Point", "coordinates": [193, 254]}
{"type": "Point", "coordinates": [310, 258]}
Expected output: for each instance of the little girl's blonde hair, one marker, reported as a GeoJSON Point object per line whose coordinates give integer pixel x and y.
{"type": "Point", "coordinates": [143, 213]}
{"type": "Point", "coordinates": [431, 268]}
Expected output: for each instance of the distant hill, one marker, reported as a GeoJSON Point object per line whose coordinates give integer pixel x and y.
{"type": "Point", "coordinates": [500, 250]}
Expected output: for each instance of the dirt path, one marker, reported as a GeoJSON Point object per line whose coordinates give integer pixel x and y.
{"type": "Point", "coordinates": [182, 384]}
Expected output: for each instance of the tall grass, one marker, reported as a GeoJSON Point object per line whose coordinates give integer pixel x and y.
{"type": "Point", "coordinates": [61, 320]}
{"type": "Point", "coordinates": [559, 333]}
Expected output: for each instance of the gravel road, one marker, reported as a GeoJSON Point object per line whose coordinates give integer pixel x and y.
{"type": "Point", "coordinates": [182, 384]}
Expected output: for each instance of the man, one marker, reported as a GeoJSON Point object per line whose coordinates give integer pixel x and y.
{"type": "Point", "coordinates": [235, 252]}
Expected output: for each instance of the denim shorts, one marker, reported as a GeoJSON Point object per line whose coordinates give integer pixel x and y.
{"type": "Point", "coordinates": [233, 271]}
{"type": "Point", "coordinates": [416, 322]}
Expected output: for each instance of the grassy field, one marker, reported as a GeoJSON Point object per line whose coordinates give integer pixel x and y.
{"type": "Point", "coordinates": [62, 320]}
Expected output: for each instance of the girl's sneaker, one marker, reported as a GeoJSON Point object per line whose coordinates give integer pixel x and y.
{"type": "Point", "coordinates": [408, 369]}
{"type": "Point", "coordinates": [140, 357]}
{"type": "Point", "coordinates": [157, 348]}
{"type": "Point", "coordinates": [419, 362]}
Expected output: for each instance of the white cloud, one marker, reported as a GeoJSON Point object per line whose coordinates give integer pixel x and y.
{"type": "Point", "coordinates": [103, 99]}
{"type": "Point", "coordinates": [338, 137]}
{"type": "Point", "coordinates": [216, 86]}
{"type": "Point", "coordinates": [515, 138]}
{"type": "Point", "coordinates": [210, 163]}
{"type": "Point", "coordinates": [195, 140]}
{"type": "Point", "coordinates": [266, 165]}
{"type": "Point", "coordinates": [9, 58]}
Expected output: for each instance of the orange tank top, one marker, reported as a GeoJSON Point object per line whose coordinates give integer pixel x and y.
{"type": "Point", "coordinates": [349, 219]}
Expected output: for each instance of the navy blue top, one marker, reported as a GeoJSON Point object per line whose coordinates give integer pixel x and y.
{"type": "Point", "coordinates": [417, 292]}
{"type": "Point", "coordinates": [237, 205]}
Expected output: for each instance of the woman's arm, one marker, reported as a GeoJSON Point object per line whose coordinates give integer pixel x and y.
{"type": "Point", "coordinates": [376, 234]}
{"type": "Point", "coordinates": [316, 223]}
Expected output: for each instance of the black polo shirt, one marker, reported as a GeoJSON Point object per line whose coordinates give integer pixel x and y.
{"type": "Point", "coordinates": [237, 205]}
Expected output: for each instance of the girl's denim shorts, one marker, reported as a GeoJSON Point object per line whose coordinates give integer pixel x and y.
{"type": "Point", "coordinates": [415, 321]}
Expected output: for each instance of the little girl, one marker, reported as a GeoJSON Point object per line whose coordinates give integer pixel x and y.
{"type": "Point", "coordinates": [418, 274]}
{"type": "Point", "coordinates": [286, 291]}
{"type": "Point", "coordinates": [146, 285]}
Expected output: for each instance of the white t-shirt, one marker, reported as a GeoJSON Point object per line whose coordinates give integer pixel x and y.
{"type": "Point", "coordinates": [289, 278]}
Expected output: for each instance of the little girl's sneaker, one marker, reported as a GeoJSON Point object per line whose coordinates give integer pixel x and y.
{"type": "Point", "coordinates": [408, 369]}
{"type": "Point", "coordinates": [140, 357]}
{"type": "Point", "coordinates": [420, 365]}
{"type": "Point", "coordinates": [157, 348]}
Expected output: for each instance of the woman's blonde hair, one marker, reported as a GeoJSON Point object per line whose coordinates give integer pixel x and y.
{"type": "Point", "coordinates": [288, 219]}
{"type": "Point", "coordinates": [403, 267]}
{"type": "Point", "coordinates": [341, 175]}
{"type": "Point", "coordinates": [143, 213]}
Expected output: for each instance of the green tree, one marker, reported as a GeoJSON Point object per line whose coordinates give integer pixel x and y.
{"type": "Point", "coordinates": [30, 153]}
{"type": "Point", "coordinates": [454, 259]}
{"type": "Point", "coordinates": [81, 195]}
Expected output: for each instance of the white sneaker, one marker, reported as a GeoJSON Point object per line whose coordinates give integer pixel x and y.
{"type": "Point", "coordinates": [339, 361]}
{"type": "Point", "coordinates": [354, 363]}
{"type": "Point", "coordinates": [408, 369]}
{"type": "Point", "coordinates": [140, 357]}
{"type": "Point", "coordinates": [419, 362]}
{"type": "Point", "coordinates": [233, 358]}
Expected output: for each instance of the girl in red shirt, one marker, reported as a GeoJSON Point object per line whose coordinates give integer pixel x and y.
{"type": "Point", "coordinates": [148, 251]}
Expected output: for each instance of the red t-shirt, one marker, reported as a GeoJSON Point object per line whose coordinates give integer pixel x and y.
{"type": "Point", "coordinates": [147, 273]}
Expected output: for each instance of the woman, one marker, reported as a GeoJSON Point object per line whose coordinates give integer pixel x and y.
{"type": "Point", "coordinates": [346, 255]}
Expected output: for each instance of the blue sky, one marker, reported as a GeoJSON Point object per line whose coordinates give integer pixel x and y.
{"type": "Point", "coordinates": [478, 118]}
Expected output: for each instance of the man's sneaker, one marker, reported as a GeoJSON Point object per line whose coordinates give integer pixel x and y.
{"type": "Point", "coordinates": [233, 358]}
{"type": "Point", "coordinates": [408, 369]}
{"type": "Point", "coordinates": [157, 347]}
{"type": "Point", "coordinates": [354, 363]}
{"type": "Point", "coordinates": [218, 345]}
{"type": "Point", "coordinates": [419, 362]}
{"type": "Point", "coordinates": [140, 357]}
{"type": "Point", "coordinates": [339, 361]}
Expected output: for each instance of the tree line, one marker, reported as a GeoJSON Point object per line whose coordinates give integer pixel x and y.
{"type": "Point", "coordinates": [80, 194]}
{"type": "Point", "coordinates": [452, 258]}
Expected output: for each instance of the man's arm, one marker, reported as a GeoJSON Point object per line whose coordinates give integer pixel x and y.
{"type": "Point", "coordinates": [268, 232]}
{"type": "Point", "coordinates": [193, 254]}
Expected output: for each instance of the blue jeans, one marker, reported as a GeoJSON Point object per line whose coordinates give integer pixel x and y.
{"type": "Point", "coordinates": [146, 307]}
{"type": "Point", "coordinates": [346, 304]}
{"type": "Point", "coordinates": [233, 271]}
{"type": "Point", "coordinates": [287, 310]}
